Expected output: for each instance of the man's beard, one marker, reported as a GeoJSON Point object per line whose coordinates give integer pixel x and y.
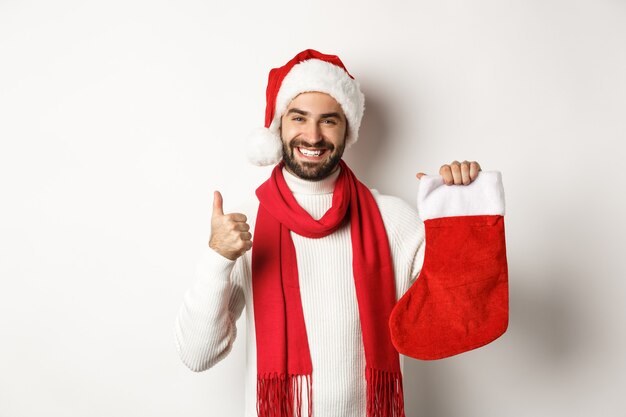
{"type": "Point", "coordinates": [312, 170]}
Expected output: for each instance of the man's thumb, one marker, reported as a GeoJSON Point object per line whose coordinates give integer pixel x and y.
{"type": "Point", "coordinates": [218, 210]}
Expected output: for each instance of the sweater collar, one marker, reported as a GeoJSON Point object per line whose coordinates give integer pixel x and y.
{"type": "Point", "coordinates": [298, 185]}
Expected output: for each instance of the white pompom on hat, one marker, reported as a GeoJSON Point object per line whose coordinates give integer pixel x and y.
{"type": "Point", "coordinates": [308, 71]}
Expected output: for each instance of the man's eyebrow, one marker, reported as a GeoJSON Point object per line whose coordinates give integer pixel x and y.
{"type": "Point", "coordinates": [306, 113]}
{"type": "Point", "coordinates": [295, 110]}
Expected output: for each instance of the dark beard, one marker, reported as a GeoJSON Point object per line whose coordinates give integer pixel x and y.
{"type": "Point", "coordinates": [310, 170]}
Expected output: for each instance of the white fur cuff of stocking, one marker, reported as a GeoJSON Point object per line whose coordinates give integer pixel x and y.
{"type": "Point", "coordinates": [483, 196]}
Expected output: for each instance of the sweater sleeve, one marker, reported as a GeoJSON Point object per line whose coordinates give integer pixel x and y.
{"type": "Point", "coordinates": [405, 232]}
{"type": "Point", "coordinates": [205, 327]}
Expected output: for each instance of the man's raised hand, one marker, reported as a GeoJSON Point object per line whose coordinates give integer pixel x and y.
{"type": "Point", "coordinates": [457, 173]}
{"type": "Point", "coordinates": [230, 234]}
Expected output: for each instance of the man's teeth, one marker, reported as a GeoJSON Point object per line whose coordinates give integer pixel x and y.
{"type": "Point", "coordinates": [307, 152]}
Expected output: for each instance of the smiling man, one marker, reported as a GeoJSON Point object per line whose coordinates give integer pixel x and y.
{"type": "Point", "coordinates": [313, 139]}
{"type": "Point", "coordinates": [330, 259]}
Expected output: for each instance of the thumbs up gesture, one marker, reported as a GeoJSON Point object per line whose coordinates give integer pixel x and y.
{"type": "Point", "coordinates": [230, 236]}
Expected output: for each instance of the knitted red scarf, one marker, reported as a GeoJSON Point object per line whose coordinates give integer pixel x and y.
{"type": "Point", "coordinates": [283, 357]}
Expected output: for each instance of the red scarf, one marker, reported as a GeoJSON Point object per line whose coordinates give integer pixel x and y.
{"type": "Point", "coordinates": [283, 357]}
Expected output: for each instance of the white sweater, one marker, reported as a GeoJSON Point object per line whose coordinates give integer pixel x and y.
{"type": "Point", "coordinates": [205, 326]}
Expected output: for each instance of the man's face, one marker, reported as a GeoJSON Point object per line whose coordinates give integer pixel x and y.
{"type": "Point", "coordinates": [313, 131]}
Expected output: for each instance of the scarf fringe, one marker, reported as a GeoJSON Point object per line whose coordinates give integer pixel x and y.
{"type": "Point", "coordinates": [385, 396]}
{"type": "Point", "coordinates": [279, 395]}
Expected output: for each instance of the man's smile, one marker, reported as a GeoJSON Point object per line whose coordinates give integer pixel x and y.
{"type": "Point", "coordinates": [311, 154]}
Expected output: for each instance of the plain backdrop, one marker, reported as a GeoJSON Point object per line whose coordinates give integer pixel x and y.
{"type": "Point", "coordinates": [118, 119]}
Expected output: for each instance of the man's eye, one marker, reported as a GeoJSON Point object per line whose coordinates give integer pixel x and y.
{"type": "Point", "coordinates": [330, 122]}
{"type": "Point", "coordinates": [298, 119]}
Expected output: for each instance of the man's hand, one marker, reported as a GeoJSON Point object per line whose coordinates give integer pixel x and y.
{"type": "Point", "coordinates": [230, 236]}
{"type": "Point", "coordinates": [457, 172]}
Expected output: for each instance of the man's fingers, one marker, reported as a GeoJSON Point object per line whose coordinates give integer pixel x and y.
{"type": "Point", "coordinates": [456, 172]}
{"type": "Point", "coordinates": [474, 168]}
{"type": "Point", "coordinates": [465, 172]}
{"type": "Point", "coordinates": [218, 209]}
{"type": "Point", "coordinates": [241, 226]}
{"type": "Point", "coordinates": [237, 217]}
{"type": "Point", "coordinates": [230, 234]}
{"type": "Point", "coordinates": [419, 175]}
{"type": "Point", "coordinates": [459, 173]}
{"type": "Point", "coordinates": [446, 173]}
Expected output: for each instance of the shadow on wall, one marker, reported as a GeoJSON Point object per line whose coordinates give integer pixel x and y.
{"type": "Point", "coordinates": [542, 344]}
{"type": "Point", "coordinates": [366, 157]}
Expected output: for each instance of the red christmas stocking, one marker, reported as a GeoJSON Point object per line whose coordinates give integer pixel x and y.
{"type": "Point", "coordinates": [460, 299]}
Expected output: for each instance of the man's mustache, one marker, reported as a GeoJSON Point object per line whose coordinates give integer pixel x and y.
{"type": "Point", "coordinates": [319, 145]}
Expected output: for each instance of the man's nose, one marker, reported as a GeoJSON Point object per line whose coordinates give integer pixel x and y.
{"type": "Point", "coordinates": [313, 133]}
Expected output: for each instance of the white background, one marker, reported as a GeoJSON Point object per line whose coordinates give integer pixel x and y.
{"type": "Point", "coordinates": [118, 119]}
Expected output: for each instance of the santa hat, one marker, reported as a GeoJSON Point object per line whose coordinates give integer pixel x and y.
{"type": "Point", "coordinates": [310, 70]}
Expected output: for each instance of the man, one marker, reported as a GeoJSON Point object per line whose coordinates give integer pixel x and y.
{"type": "Point", "coordinates": [329, 260]}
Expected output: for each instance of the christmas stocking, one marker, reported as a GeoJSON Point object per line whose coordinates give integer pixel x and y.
{"type": "Point", "coordinates": [460, 299]}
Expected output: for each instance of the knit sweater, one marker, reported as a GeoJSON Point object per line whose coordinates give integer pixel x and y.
{"type": "Point", "coordinates": [206, 324]}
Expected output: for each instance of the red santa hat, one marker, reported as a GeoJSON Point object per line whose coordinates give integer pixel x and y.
{"type": "Point", "coordinates": [310, 70]}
